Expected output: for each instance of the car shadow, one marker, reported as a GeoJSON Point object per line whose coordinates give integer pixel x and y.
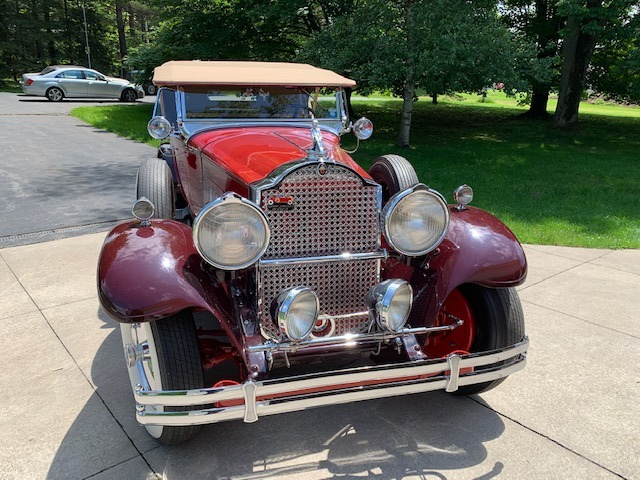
{"type": "Point", "coordinates": [430, 435]}
{"type": "Point", "coordinates": [70, 100]}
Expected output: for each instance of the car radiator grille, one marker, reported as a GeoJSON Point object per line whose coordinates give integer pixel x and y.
{"type": "Point", "coordinates": [329, 214]}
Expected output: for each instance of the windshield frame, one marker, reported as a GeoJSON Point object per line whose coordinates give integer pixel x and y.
{"type": "Point", "coordinates": [192, 125]}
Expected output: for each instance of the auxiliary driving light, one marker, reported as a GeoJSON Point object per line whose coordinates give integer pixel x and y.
{"type": "Point", "coordinates": [295, 312]}
{"type": "Point", "coordinates": [143, 210]}
{"type": "Point", "coordinates": [391, 301]}
{"type": "Point", "coordinates": [159, 127]}
{"type": "Point", "coordinates": [463, 195]}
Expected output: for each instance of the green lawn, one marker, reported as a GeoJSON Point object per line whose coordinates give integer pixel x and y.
{"type": "Point", "coordinates": [576, 188]}
{"type": "Point", "coordinates": [9, 85]}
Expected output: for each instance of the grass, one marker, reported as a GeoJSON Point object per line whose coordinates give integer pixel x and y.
{"type": "Point", "coordinates": [575, 188]}
{"type": "Point", "coordinates": [9, 85]}
{"type": "Point", "coordinates": [128, 121]}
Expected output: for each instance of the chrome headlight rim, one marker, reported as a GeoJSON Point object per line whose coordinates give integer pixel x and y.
{"type": "Point", "coordinates": [227, 199]}
{"type": "Point", "coordinates": [395, 200]}
{"type": "Point", "coordinates": [159, 127]}
{"type": "Point", "coordinates": [284, 301]}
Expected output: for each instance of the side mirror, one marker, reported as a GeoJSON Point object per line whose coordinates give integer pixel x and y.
{"type": "Point", "coordinates": [363, 128]}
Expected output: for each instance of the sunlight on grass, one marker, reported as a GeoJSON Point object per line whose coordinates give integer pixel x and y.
{"type": "Point", "coordinates": [576, 187]}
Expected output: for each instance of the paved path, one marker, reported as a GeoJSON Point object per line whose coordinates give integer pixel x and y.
{"type": "Point", "coordinates": [60, 176]}
{"type": "Point", "coordinates": [573, 413]}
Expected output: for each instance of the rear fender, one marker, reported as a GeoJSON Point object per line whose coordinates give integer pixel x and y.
{"type": "Point", "coordinates": [478, 248]}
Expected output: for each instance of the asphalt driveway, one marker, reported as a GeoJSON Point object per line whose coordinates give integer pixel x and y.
{"type": "Point", "coordinates": [61, 177]}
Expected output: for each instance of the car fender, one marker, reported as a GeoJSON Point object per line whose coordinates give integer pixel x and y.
{"type": "Point", "coordinates": [478, 248]}
{"type": "Point", "coordinates": [150, 272]}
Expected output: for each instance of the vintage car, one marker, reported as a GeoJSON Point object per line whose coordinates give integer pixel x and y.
{"type": "Point", "coordinates": [57, 82]}
{"type": "Point", "coordinates": [267, 272]}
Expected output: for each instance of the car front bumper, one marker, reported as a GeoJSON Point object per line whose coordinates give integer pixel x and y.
{"type": "Point", "coordinates": [254, 399]}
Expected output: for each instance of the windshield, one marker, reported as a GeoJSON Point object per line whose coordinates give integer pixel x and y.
{"type": "Point", "coordinates": [259, 102]}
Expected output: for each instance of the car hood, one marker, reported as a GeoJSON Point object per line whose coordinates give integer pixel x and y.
{"type": "Point", "coordinates": [252, 153]}
{"type": "Point", "coordinates": [119, 81]}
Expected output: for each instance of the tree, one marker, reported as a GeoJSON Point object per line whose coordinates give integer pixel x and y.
{"type": "Point", "coordinates": [615, 66]}
{"type": "Point", "coordinates": [537, 27]}
{"type": "Point", "coordinates": [438, 46]}
{"type": "Point", "coordinates": [587, 22]}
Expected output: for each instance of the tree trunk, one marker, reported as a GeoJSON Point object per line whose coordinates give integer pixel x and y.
{"type": "Point", "coordinates": [434, 98]}
{"type": "Point", "coordinates": [539, 101]}
{"type": "Point", "coordinates": [409, 83]}
{"type": "Point", "coordinates": [67, 26]}
{"type": "Point", "coordinates": [38, 38]}
{"type": "Point", "coordinates": [407, 111]}
{"type": "Point", "coordinates": [122, 39]}
{"type": "Point", "coordinates": [577, 50]}
{"type": "Point", "coordinates": [132, 23]}
{"type": "Point", "coordinates": [347, 93]}
{"type": "Point", "coordinates": [547, 29]}
{"type": "Point", "coordinates": [53, 55]}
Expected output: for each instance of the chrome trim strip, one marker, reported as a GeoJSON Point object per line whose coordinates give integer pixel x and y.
{"type": "Point", "coordinates": [275, 177]}
{"type": "Point", "coordinates": [388, 380]}
{"type": "Point", "coordinates": [348, 339]}
{"type": "Point", "coordinates": [345, 257]}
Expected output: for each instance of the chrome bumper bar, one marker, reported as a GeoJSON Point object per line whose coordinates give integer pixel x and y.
{"type": "Point", "coordinates": [269, 397]}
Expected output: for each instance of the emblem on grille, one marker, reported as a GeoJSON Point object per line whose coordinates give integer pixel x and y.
{"type": "Point", "coordinates": [280, 203]}
{"type": "Point", "coordinates": [322, 169]}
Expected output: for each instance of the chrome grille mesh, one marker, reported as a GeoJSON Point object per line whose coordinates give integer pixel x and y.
{"type": "Point", "coordinates": [330, 214]}
{"type": "Point", "coordinates": [341, 288]}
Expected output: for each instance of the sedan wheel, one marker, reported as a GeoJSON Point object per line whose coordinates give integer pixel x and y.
{"type": "Point", "coordinates": [54, 94]}
{"type": "Point", "coordinates": [129, 96]}
{"type": "Point", "coordinates": [171, 361]}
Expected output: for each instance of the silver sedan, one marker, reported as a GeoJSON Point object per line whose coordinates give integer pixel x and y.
{"type": "Point", "coordinates": [59, 81]}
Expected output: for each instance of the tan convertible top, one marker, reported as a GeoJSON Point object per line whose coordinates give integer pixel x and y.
{"type": "Point", "coordinates": [195, 72]}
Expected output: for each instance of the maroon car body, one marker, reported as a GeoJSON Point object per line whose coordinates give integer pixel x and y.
{"type": "Point", "coordinates": [268, 272]}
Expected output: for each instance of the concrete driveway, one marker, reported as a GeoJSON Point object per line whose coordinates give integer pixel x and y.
{"type": "Point", "coordinates": [573, 413]}
{"type": "Point", "coordinates": [60, 176]}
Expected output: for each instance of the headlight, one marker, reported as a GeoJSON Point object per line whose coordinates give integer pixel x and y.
{"type": "Point", "coordinates": [391, 302]}
{"type": "Point", "coordinates": [295, 311]}
{"type": "Point", "coordinates": [415, 220]}
{"type": "Point", "coordinates": [231, 232]}
{"type": "Point", "coordinates": [159, 127]}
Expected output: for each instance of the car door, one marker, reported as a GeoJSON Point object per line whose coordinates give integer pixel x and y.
{"type": "Point", "coordinates": [97, 85]}
{"type": "Point", "coordinates": [73, 83]}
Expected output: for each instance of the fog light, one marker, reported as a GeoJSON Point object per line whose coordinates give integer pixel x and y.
{"type": "Point", "coordinates": [391, 301]}
{"type": "Point", "coordinates": [143, 210]}
{"type": "Point", "coordinates": [295, 311]}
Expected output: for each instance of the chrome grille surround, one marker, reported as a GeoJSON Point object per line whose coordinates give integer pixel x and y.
{"type": "Point", "coordinates": [333, 213]}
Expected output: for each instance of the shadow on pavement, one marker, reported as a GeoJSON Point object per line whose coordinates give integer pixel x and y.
{"type": "Point", "coordinates": [425, 435]}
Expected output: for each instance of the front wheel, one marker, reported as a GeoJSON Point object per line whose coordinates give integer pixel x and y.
{"type": "Point", "coordinates": [493, 318]}
{"type": "Point", "coordinates": [171, 362]}
{"type": "Point", "coordinates": [129, 95]}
